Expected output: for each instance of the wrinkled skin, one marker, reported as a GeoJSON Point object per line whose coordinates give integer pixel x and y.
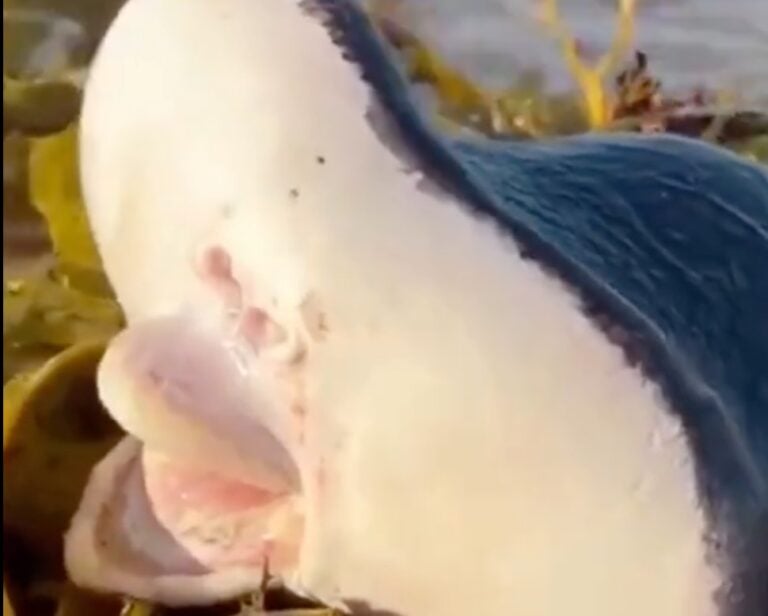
{"type": "Point", "coordinates": [334, 365]}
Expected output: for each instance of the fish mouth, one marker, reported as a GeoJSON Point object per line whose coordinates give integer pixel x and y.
{"type": "Point", "coordinates": [205, 492]}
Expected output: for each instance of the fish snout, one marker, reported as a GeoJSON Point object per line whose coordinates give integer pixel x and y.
{"type": "Point", "coordinates": [206, 492]}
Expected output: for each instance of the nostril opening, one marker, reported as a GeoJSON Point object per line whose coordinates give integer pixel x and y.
{"type": "Point", "coordinates": [217, 263]}
{"type": "Point", "coordinates": [259, 329]}
{"type": "Point", "coordinates": [215, 269]}
{"type": "Point", "coordinates": [254, 324]}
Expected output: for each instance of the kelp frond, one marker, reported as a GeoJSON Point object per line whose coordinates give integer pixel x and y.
{"type": "Point", "coordinates": [458, 96]}
{"type": "Point", "coordinates": [590, 79]}
{"type": "Point", "coordinates": [518, 110]}
{"type": "Point", "coordinates": [54, 190]}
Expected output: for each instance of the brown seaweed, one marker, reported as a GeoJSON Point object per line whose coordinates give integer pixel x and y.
{"type": "Point", "coordinates": [633, 101]}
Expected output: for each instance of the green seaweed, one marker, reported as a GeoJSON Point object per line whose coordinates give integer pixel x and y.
{"type": "Point", "coordinates": [39, 107]}
{"type": "Point", "coordinates": [54, 430]}
{"type": "Point", "coordinates": [54, 190]}
{"type": "Point", "coordinates": [632, 101]}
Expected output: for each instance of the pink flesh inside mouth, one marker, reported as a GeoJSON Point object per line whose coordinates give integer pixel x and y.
{"type": "Point", "coordinates": [205, 494]}
{"type": "Point", "coordinates": [221, 522]}
{"type": "Point", "coordinates": [202, 497]}
{"type": "Point", "coordinates": [152, 528]}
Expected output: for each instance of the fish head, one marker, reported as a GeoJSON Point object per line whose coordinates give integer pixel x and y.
{"type": "Point", "coordinates": [266, 293]}
{"type": "Point", "coordinates": [333, 367]}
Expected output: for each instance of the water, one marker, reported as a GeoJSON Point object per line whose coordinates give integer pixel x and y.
{"type": "Point", "coordinates": [716, 43]}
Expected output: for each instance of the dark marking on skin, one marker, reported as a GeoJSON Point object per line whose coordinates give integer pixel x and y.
{"type": "Point", "coordinates": [391, 114]}
{"type": "Point", "coordinates": [322, 323]}
{"type": "Point", "coordinates": [298, 409]}
{"type": "Point", "coordinates": [314, 317]}
{"type": "Point", "coordinates": [294, 192]}
{"type": "Point", "coordinates": [155, 378]}
{"type": "Point", "coordinates": [320, 160]}
{"type": "Point", "coordinates": [227, 211]}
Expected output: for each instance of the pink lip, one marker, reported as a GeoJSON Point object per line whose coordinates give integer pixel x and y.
{"type": "Point", "coordinates": [207, 487]}
{"type": "Point", "coordinates": [178, 389]}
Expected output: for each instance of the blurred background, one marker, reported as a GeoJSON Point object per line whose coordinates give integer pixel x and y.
{"type": "Point", "coordinates": [56, 298]}
{"type": "Point", "coordinates": [719, 44]}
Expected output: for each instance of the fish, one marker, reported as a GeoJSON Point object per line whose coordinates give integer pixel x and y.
{"type": "Point", "coordinates": [409, 373]}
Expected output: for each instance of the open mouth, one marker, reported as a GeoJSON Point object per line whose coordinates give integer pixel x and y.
{"type": "Point", "coordinates": [202, 496]}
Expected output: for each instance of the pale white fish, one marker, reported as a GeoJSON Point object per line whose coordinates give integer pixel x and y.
{"type": "Point", "coordinates": [332, 363]}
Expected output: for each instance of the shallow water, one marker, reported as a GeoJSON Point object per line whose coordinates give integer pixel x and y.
{"type": "Point", "coordinates": [716, 43]}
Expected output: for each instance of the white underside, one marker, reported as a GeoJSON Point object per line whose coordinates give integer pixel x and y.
{"type": "Point", "coordinates": [487, 451]}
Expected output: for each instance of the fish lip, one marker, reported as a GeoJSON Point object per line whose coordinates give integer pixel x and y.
{"type": "Point", "coordinates": [166, 415]}
{"type": "Point", "coordinates": [220, 421]}
{"type": "Point", "coordinates": [87, 555]}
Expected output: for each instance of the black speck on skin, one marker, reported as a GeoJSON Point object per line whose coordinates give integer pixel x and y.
{"type": "Point", "coordinates": [321, 160]}
{"type": "Point", "coordinates": [294, 193]}
{"type": "Point", "coordinates": [227, 210]}
{"type": "Point", "coordinates": [392, 114]}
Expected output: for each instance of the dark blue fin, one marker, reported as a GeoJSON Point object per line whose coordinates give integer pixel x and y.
{"type": "Point", "coordinates": [665, 241]}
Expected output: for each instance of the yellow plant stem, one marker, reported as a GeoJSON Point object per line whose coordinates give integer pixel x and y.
{"type": "Point", "coordinates": [590, 79]}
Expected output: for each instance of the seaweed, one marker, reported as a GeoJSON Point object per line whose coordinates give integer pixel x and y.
{"type": "Point", "coordinates": [39, 107]}
{"type": "Point", "coordinates": [54, 430]}
{"type": "Point", "coordinates": [55, 192]}
{"type": "Point", "coordinates": [599, 107]}
{"type": "Point", "coordinates": [611, 93]}
{"type": "Point", "coordinates": [62, 298]}
{"type": "Point", "coordinates": [58, 313]}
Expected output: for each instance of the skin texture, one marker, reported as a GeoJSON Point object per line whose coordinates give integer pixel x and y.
{"type": "Point", "coordinates": [333, 364]}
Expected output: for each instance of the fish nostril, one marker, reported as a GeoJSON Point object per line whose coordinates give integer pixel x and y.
{"type": "Point", "coordinates": [253, 324]}
{"type": "Point", "coordinates": [217, 262]}
{"type": "Point", "coordinates": [259, 329]}
{"type": "Point", "coordinates": [214, 267]}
